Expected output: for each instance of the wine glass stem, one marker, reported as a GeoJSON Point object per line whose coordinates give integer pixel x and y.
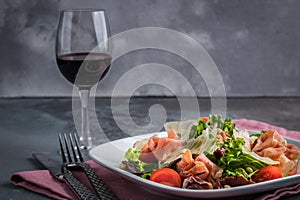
{"type": "Point", "coordinates": [85, 135]}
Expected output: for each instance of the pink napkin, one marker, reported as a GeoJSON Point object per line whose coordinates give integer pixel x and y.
{"type": "Point", "coordinates": [41, 181]}
{"type": "Point", "coordinates": [257, 126]}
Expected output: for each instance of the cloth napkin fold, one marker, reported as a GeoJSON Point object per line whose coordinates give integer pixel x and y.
{"type": "Point", "coordinates": [41, 181]}
{"type": "Point", "coordinates": [257, 126]}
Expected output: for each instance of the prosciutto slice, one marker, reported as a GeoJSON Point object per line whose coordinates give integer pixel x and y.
{"type": "Point", "coordinates": [272, 145]}
{"type": "Point", "coordinates": [162, 147]}
{"type": "Point", "coordinates": [189, 167]}
{"type": "Point", "coordinates": [198, 173]}
{"type": "Point", "coordinates": [215, 171]}
{"type": "Point", "coordinates": [194, 182]}
{"type": "Point", "coordinates": [292, 152]}
{"type": "Point", "coordinates": [287, 166]}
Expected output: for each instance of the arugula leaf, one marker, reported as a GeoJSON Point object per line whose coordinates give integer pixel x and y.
{"type": "Point", "coordinates": [228, 126]}
{"type": "Point", "coordinates": [235, 162]}
{"type": "Point", "coordinates": [197, 130]}
{"type": "Point", "coordinates": [256, 135]}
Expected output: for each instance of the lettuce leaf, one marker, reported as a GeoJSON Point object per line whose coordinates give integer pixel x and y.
{"type": "Point", "coordinates": [132, 156]}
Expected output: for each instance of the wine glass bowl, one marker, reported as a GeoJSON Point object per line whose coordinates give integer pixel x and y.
{"type": "Point", "coordinates": [82, 46]}
{"type": "Point", "coordinates": [83, 55]}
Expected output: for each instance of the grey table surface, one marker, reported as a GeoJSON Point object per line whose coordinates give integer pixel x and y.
{"type": "Point", "coordinates": [29, 125]}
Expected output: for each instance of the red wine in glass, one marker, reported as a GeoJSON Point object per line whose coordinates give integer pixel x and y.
{"type": "Point", "coordinates": [88, 68]}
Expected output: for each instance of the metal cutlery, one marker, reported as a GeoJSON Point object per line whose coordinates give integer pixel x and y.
{"type": "Point", "coordinates": [77, 160]}
{"type": "Point", "coordinates": [62, 172]}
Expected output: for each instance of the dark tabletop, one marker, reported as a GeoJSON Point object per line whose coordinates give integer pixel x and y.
{"type": "Point", "coordinates": [29, 125]}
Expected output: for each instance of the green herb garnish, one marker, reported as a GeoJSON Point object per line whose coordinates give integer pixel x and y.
{"type": "Point", "coordinates": [197, 130]}
{"type": "Point", "coordinates": [235, 161]}
{"type": "Point", "coordinates": [228, 126]}
{"type": "Point", "coordinates": [216, 120]}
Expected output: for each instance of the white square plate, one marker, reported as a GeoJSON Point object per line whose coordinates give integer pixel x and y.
{"type": "Point", "coordinates": [111, 154]}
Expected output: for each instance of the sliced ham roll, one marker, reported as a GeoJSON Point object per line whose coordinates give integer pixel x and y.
{"type": "Point", "coordinates": [162, 147]}
{"type": "Point", "coordinates": [194, 182]}
{"type": "Point", "coordinates": [272, 145]}
{"type": "Point", "coordinates": [198, 173]}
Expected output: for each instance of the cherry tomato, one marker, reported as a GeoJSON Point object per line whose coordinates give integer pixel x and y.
{"type": "Point", "coordinates": [205, 119]}
{"type": "Point", "coordinates": [166, 176]}
{"type": "Point", "coordinates": [267, 173]}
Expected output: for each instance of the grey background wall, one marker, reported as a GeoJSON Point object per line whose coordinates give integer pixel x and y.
{"type": "Point", "coordinates": [255, 44]}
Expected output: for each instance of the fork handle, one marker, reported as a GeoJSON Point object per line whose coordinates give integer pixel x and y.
{"type": "Point", "coordinates": [101, 188]}
{"type": "Point", "coordinates": [83, 192]}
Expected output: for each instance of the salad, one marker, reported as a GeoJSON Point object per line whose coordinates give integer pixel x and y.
{"type": "Point", "coordinates": [211, 153]}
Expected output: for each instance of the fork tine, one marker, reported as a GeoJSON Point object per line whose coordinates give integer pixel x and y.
{"type": "Point", "coordinates": [73, 147]}
{"type": "Point", "coordinates": [67, 148]}
{"type": "Point", "coordinates": [62, 149]}
{"type": "Point", "coordinates": [78, 149]}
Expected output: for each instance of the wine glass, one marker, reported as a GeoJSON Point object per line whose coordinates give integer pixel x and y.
{"type": "Point", "coordinates": [83, 55]}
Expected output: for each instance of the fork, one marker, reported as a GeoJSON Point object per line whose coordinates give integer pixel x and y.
{"type": "Point", "coordinates": [71, 140]}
